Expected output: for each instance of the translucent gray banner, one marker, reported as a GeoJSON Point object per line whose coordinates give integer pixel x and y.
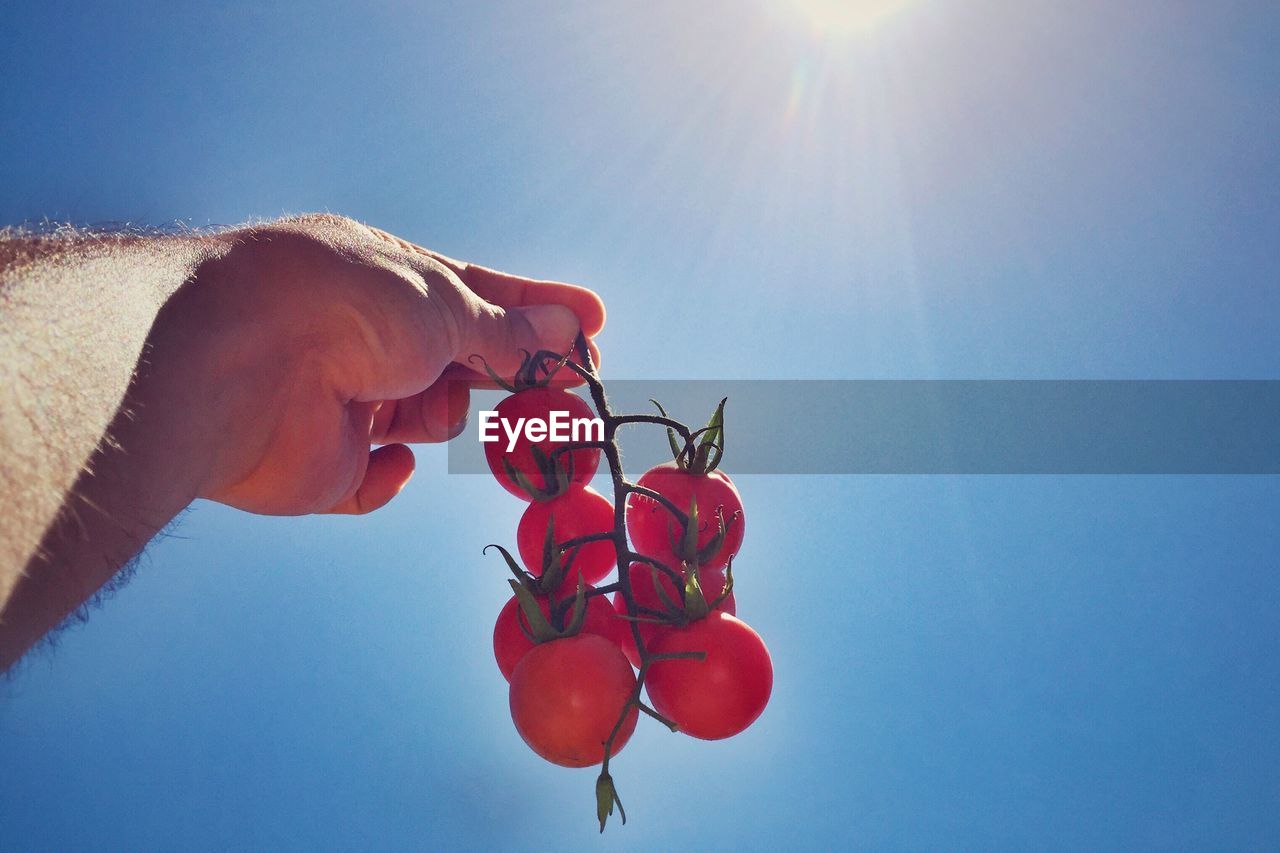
{"type": "Point", "coordinates": [954, 426]}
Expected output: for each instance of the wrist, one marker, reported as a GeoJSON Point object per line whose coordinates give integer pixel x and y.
{"type": "Point", "coordinates": [208, 365]}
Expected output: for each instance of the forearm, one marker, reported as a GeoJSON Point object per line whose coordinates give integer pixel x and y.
{"type": "Point", "coordinates": [75, 314]}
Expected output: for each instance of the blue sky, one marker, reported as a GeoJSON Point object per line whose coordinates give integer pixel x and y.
{"type": "Point", "coordinates": [977, 190]}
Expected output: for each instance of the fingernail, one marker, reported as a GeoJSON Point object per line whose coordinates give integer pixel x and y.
{"type": "Point", "coordinates": [555, 325]}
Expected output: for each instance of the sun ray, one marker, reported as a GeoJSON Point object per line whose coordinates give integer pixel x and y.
{"type": "Point", "coordinates": [839, 18]}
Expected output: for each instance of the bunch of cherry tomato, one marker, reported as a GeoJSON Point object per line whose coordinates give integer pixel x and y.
{"type": "Point", "coordinates": [581, 665]}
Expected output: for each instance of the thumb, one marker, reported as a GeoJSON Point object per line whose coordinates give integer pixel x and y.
{"type": "Point", "coordinates": [498, 334]}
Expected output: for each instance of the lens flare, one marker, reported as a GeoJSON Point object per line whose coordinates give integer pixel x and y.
{"type": "Point", "coordinates": [836, 18]}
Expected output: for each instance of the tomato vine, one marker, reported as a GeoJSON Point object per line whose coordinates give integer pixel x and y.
{"type": "Point", "coordinates": [697, 452]}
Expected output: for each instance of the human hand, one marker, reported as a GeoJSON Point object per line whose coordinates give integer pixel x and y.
{"type": "Point", "coordinates": [302, 343]}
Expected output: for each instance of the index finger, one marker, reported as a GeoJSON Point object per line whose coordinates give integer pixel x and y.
{"type": "Point", "coordinates": [508, 290]}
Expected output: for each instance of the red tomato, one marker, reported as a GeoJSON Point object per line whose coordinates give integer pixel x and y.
{"type": "Point", "coordinates": [653, 528]}
{"type": "Point", "coordinates": [566, 696]}
{"type": "Point", "coordinates": [538, 403]}
{"type": "Point", "coordinates": [717, 697]}
{"type": "Point", "coordinates": [642, 589]}
{"type": "Point", "coordinates": [578, 512]}
{"type": "Point", "coordinates": [510, 643]}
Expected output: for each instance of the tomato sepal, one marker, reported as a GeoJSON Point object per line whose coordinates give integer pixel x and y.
{"type": "Point", "coordinates": [519, 573]}
{"type": "Point", "coordinates": [727, 589]}
{"type": "Point", "coordinates": [711, 442]}
{"type": "Point", "coordinates": [686, 549]}
{"type": "Point", "coordinates": [695, 603]}
{"type": "Point", "coordinates": [606, 798]}
{"type": "Point", "coordinates": [553, 567]}
{"type": "Point", "coordinates": [527, 374]}
{"type": "Point", "coordinates": [540, 630]}
{"type": "Point", "coordinates": [559, 476]}
{"type": "Point", "coordinates": [545, 584]}
{"type": "Point", "coordinates": [703, 457]}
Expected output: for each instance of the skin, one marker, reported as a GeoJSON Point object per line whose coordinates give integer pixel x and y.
{"type": "Point", "coordinates": [256, 367]}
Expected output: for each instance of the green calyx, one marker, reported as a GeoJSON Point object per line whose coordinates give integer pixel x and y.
{"type": "Point", "coordinates": [555, 475]}
{"type": "Point", "coordinates": [694, 602]}
{"type": "Point", "coordinates": [554, 566]}
{"type": "Point", "coordinates": [705, 448]}
{"type": "Point", "coordinates": [727, 589]}
{"type": "Point", "coordinates": [528, 590]}
{"type": "Point", "coordinates": [535, 370]}
{"type": "Point", "coordinates": [540, 629]}
{"type": "Point", "coordinates": [543, 584]}
{"type": "Point", "coordinates": [606, 799]}
{"type": "Point", "coordinates": [697, 604]}
{"type": "Point", "coordinates": [686, 547]}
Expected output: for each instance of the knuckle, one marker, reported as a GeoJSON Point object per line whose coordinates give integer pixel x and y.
{"type": "Point", "coordinates": [445, 298]}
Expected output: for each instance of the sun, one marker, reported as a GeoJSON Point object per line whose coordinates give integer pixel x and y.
{"type": "Point", "coordinates": [833, 18]}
